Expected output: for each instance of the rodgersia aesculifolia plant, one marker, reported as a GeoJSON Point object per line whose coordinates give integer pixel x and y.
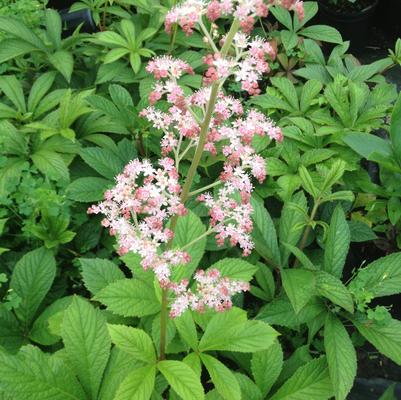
{"type": "Point", "coordinates": [143, 207]}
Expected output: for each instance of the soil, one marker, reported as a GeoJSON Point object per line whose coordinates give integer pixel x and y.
{"type": "Point", "coordinates": [346, 6]}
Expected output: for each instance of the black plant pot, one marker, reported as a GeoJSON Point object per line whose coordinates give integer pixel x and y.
{"type": "Point", "coordinates": [71, 21]}
{"type": "Point", "coordinates": [388, 16]}
{"type": "Point", "coordinates": [353, 26]}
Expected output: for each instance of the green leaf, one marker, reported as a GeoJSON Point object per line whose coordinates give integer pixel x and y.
{"type": "Point", "coordinates": [112, 38]}
{"type": "Point", "coordinates": [299, 284]}
{"type": "Point", "coordinates": [13, 48]}
{"type": "Point", "coordinates": [368, 146]}
{"type": "Point", "coordinates": [322, 32]}
{"type": "Point", "coordinates": [287, 88]}
{"type": "Point", "coordinates": [129, 298]}
{"type": "Point", "coordinates": [395, 130]}
{"type": "Point", "coordinates": [334, 175]}
{"type": "Point", "coordinates": [32, 278]}
{"type": "Point", "coordinates": [50, 164]}
{"type": "Point", "coordinates": [238, 334]}
{"type": "Point", "coordinates": [394, 210]}
{"type": "Point", "coordinates": [249, 389]}
{"type": "Point", "coordinates": [182, 379]}
{"type": "Point", "coordinates": [382, 277]}
{"type": "Point", "coordinates": [11, 335]}
{"type": "Point", "coordinates": [39, 88]}
{"type": "Point", "coordinates": [301, 256]}
{"type": "Point", "coordinates": [264, 232]}
{"type": "Point", "coordinates": [337, 244]}
{"type": "Point", "coordinates": [35, 375]}
{"type": "Point", "coordinates": [103, 161]}
{"type": "Point", "coordinates": [333, 289]}
{"type": "Point", "coordinates": [115, 54]}
{"type": "Point", "coordinates": [53, 27]}
{"type": "Point", "coordinates": [63, 61]}
{"type": "Point", "coordinates": [17, 28]}
{"type": "Point", "coordinates": [138, 385]}
{"type": "Point", "coordinates": [235, 269]}
{"type": "Point", "coordinates": [223, 379]}
{"type": "Point", "coordinates": [341, 356]}
{"type": "Point", "coordinates": [360, 232]}
{"type": "Point", "coordinates": [389, 393]}
{"type": "Point", "coordinates": [12, 88]}
{"type": "Point", "coordinates": [188, 229]}
{"type": "Point", "coordinates": [87, 189]}
{"type": "Point", "coordinates": [266, 367]}
{"type": "Point", "coordinates": [97, 273]}
{"type": "Point", "coordinates": [282, 15]}
{"type": "Point", "coordinates": [87, 343]}
{"type": "Point", "coordinates": [40, 332]}
{"type": "Point", "coordinates": [187, 329]}
{"type": "Point", "coordinates": [307, 182]}
{"type": "Point", "coordinates": [293, 215]}
{"type": "Point", "coordinates": [133, 341]}
{"type": "Point", "coordinates": [309, 93]}
{"type": "Point", "coordinates": [310, 382]}
{"type": "Point", "coordinates": [385, 337]}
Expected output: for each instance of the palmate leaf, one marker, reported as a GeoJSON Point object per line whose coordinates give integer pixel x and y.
{"type": "Point", "coordinates": [222, 377]}
{"type": "Point", "coordinates": [87, 343]}
{"type": "Point", "coordinates": [310, 382]}
{"type": "Point", "coordinates": [31, 280]}
{"type": "Point", "coordinates": [341, 356]}
{"type": "Point", "coordinates": [182, 379]}
{"type": "Point", "coordinates": [33, 375]}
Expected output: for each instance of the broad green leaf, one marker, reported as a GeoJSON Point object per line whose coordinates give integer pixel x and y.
{"type": "Point", "coordinates": [223, 379]}
{"type": "Point", "coordinates": [11, 336]}
{"type": "Point", "coordinates": [301, 256]}
{"type": "Point", "coordinates": [341, 356]}
{"type": "Point", "coordinates": [334, 175]}
{"type": "Point", "coordinates": [87, 189]}
{"type": "Point", "coordinates": [97, 273]}
{"type": "Point", "coordinates": [249, 389]}
{"type": "Point", "coordinates": [112, 38]}
{"type": "Point", "coordinates": [53, 27]}
{"type": "Point", "coordinates": [307, 182]}
{"type": "Point", "coordinates": [129, 298]}
{"type": "Point", "coordinates": [40, 332]}
{"type": "Point", "coordinates": [310, 382]}
{"type": "Point", "coordinates": [333, 289]}
{"type": "Point", "coordinates": [382, 277]}
{"type": "Point", "coordinates": [235, 269]}
{"type": "Point", "coordinates": [133, 341]}
{"type": "Point", "coordinates": [115, 54]}
{"type": "Point", "coordinates": [188, 229]}
{"type": "Point", "coordinates": [138, 385]}
{"type": "Point", "coordinates": [266, 367]}
{"type": "Point", "coordinates": [13, 48]}
{"type": "Point", "coordinates": [87, 343]}
{"type": "Point", "coordinates": [361, 232]}
{"type": "Point", "coordinates": [386, 337]}
{"type": "Point", "coordinates": [119, 366]}
{"type": "Point", "coordinates": [264, 232]}
{"type": "Point", "coordinates": [63, 61]}
{"type": "Point", "coordinates": [36, 375]}
{"type": "Point", "coordinates": [394, 210]}
{"type": "Point", "coordinates": [182, 379]}
{"type": "Point", "coordinates": [120, 96]}
{"type": "Point", "coordinates": [299, 284]}
{"type": "Point", "coordinates": [17, 28]}
{"type": "Point", "coordinates": [32, 278]}
{"type": "Point", "coordinates": [337, 243]}
{"type": "Point", "coordinates": [282, 15]}
{"type": "Point", "coordinates": [187, 329]}
{"type": "Point", "coordinates": [287, 88]}
{"type": "Point", "coordinates": [322, 32]}
{"type": "Point", "coordinates": [103, 161]}
{"type": "Point", "coordinates": [39, 88]}
{"type": "Point", "coordinates": [293, 215]}
{"type": "Point", "coordinates": [238, 334]}
{"type": "Point", "coordinates": [50, 164]}
{"type": "Point", "coordinates": [193, 361]}
{"type": "Point", "coordinates": [309, 93]}
{"type": "Point", "coordinates": [268, 102]}
{"type": "Point", "coordinates": [12, 88]}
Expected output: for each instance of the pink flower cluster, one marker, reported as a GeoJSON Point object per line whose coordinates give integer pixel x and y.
{"type": "Point", "coordinates": [212, 291]}
{"type": "Point", "coordinates": [137, 209]}
{"type": "Point", "coordinates": [188, 14]}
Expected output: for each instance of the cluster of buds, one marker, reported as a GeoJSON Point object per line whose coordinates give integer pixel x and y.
{"type": "Point", "coordinates": [137, 210]}
{"type": "Point", "coordinates": [212, 291]}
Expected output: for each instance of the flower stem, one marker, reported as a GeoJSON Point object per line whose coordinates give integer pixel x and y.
{"type": "Point", "coordinates": [202, 189]}
{"type": "Point", "coordinates": [191, 174]}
